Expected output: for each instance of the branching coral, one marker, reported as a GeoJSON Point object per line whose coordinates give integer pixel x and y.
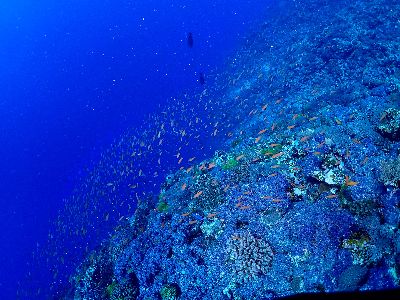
{"type": "Point", "coordinates": [250, 256]}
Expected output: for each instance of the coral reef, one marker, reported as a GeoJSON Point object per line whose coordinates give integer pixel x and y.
{"type": "Point", "coordinates": [302, 193]}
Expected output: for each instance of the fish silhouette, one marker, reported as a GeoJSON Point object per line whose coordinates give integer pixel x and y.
{"type": "Point", "coordinates": [202, 79]}
{"type": "Point", "coordinates": [190, 40]}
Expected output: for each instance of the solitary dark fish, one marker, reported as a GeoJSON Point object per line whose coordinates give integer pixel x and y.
{"type": "Point", "coordinates": [202, 79]}
{"type": "Point", "coordinates": [190, 40]}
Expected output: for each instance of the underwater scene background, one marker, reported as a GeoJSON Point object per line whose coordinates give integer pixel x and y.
{"type": "Point", "coordinates": [187, 150]}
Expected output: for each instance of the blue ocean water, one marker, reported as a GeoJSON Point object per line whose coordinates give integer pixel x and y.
{"type": "Point", "coordinates": [75, 75]}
